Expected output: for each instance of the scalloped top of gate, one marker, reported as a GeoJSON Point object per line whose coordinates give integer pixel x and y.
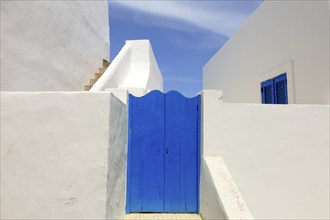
{"type": "Point", "coordinates": [159, 93]}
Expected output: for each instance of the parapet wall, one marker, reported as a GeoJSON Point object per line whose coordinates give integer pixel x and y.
{"type": "Point", "coordinates": [63, 155]}
{"type": "Point", "coordinates": [278, 155]}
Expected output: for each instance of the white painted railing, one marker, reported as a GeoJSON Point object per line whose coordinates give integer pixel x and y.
{"type": "Point", "coordinates": [134, 67]}
{"type": "Point", "coordinates": [116, 72]}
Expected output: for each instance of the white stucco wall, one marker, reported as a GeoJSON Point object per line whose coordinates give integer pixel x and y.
{"type": "Point", "coordinates": [52, 45]}
{"type": "Point", "coordinates": [134, 67]}
{"type": "Point", "coordinates": [155, 80]}
{"type": "Point", "coordinates": [281, 36]}
{"type": "Point", "coordinates": [123, 93]}
{"type": "Point", "coordinates": [117, 160]}
{"type": "Point", "coordinates": [144, 72]}
{"type": "Point", "coordinates": [219, 195]}
{"type": "Point", "coordinates": [278, 155]}
{"type": "Point", "coordinates": [62, 155]}
{"type": "Point", "coordinates": [210, 201]}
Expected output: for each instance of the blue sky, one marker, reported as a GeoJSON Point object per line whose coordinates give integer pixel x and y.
{"type": "Point", "coordinates": [184, 34]}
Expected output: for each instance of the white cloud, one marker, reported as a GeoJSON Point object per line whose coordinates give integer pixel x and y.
{"type": "Point", "coordinates": [221, 17]}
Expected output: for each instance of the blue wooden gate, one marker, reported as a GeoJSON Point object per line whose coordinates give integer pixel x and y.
{"type": "Point", "coordinates": [163, 153]}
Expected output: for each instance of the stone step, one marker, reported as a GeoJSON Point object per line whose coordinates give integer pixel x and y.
{"type": "Point", "coordinates": [102, 70]}
{"type": "Point", "coordinates": [162, 216]}
{"type": "Point", "coordinates": [92, 81]}
{"type": "Point", "coordinates": [97, 75]}
{"type": "Point", "coordinates": [105, 63]}
{"type": "Point", "coordinates": [88, 87]}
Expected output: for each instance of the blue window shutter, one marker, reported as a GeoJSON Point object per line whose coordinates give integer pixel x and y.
{"type": "Point", "coordinates": [280, 88]}
{"type": "Point", "coordinates": [267, 92]}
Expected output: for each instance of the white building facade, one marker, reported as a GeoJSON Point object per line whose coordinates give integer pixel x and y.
{"type": "Point", "coordinates": [52, 45]}
{"type": "Point", "coordinates": [278, 155]}
{"type": "Point", "coordinates": [281, 37]}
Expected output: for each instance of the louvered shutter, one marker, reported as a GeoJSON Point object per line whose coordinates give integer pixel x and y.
{"type": "Point", "coordinates": [267, 92]}
{"type": "Point", "coordinates": [280, 85]}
